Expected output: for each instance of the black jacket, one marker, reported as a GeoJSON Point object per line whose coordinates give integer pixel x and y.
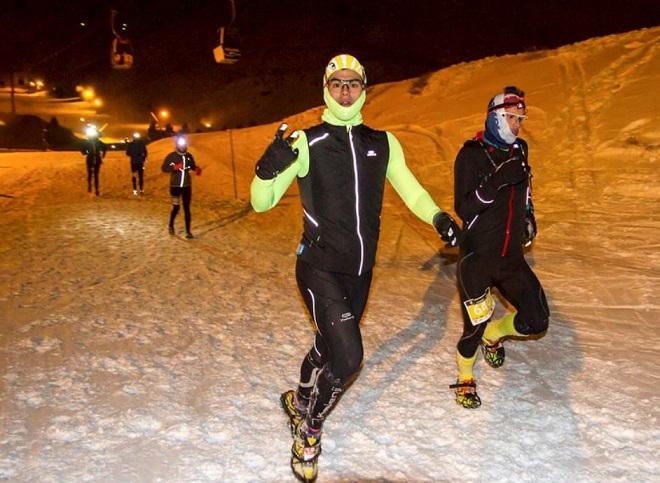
{"type": "Point", "coordinates": [137, 151]}
{"type": "Point", "coordinates": [342, 197]}
{"type": "Point", "coordinates": [180, 177]}
{"type": "Point", "coordinates": [493, 220]}
{"type": "Point", "coordinates": [94, 151]}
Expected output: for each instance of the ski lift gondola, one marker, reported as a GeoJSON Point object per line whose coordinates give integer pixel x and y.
{"type": "Point", "coordinates": [228, 52]}
{"type": "Point", "coordinates": [121, 54]}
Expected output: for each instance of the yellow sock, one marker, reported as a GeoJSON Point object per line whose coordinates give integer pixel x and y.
{"type": "Point", "coordinates": [497, 329]}
{"type": "Point", "coordinates": [465, 366]}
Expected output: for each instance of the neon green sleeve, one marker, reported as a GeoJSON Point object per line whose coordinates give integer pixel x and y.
{"type": "Point", "coordinates": [406, 185]}
{"type": "Point", "coordinates": [266, 193]}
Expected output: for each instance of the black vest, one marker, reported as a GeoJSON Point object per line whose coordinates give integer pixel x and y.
{"type": "Point", "coordinates": [342, 197]}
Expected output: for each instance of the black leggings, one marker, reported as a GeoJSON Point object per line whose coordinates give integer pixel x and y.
{"type": "Point", "coordinates": [185, 194]}
{"type": "Point", "coordinates": [517, 283]}
{"type": "Point", "coordinates": [336, 303]}
{"type": "Point", "coordinates": [139, 169]}
{"type": "Point", "coordinates": [93, 172]}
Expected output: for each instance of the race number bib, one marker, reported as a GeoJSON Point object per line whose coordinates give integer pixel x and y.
{"type": "Point", "coordinates": [481, 308]}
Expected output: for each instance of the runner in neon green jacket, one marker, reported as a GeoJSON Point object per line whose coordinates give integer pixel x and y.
{"type": "Point", "coordinates": [340, 166]}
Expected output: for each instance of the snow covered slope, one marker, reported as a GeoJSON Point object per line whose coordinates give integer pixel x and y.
{"type": "Point", "coordinates": [130, 355]}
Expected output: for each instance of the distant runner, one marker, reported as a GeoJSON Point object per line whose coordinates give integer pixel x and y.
{"type": "Point", "coordinates": [180, 163]}
{"type": "Point", "coordinates": [137, 151]}
{"type": "Point", "coordinates": [94, 150]}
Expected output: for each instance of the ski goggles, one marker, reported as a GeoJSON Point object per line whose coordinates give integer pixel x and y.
{"type": "Point", "coordinates": [510, 100]}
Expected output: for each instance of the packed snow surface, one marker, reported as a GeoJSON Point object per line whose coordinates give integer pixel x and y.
{"type": "Point", "coordinates": [131, 355]}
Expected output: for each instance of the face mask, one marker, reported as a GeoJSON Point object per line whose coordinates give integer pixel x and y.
{"type": "Point", "coordinates": [498, 129]}
{"type": "Point", "coordinates": [341, 114]}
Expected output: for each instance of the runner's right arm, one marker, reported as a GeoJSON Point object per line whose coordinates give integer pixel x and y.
{"type": "Point", "coordinates": [266, 193]}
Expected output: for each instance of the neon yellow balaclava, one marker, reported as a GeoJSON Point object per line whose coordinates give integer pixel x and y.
{"type": "Point", "coordinates": [335, 113]}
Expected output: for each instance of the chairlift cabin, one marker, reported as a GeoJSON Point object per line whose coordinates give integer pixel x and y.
{"type": "Point", "coordinates": [228, 52]}
{"type": "Point", "coordinates": [121, 56]}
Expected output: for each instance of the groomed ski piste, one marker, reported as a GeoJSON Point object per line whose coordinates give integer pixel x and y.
{"type": "Point", "coordinates": [131, 355]}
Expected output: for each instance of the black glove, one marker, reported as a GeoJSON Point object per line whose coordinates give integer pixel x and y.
{"type": "Point", "coordinates": [277, 157]}
{"type": "Point", "coordinates": [511, 172]}
{"type": "Point", "coordinates": [530, 227]}
{"type": "Point", "coordinates": [447, 228]}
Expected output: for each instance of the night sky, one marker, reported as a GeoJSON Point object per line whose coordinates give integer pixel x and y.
{"type": "Point", "coordinates": [285, 44]}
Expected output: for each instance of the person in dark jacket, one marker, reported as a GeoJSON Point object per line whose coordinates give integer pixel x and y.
{"type": "Point", "coordinates": [136, 150]}
{"type": "Point", "coordinates": [341, 166]}
{"type": "Point", "coordinates": [94, 151]}
{"type": "Point", "coordinates": [493, 198]}
{"type": "Point", "coordinates": [180, 163]}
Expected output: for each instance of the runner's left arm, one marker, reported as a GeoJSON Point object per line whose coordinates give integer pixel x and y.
{"type": "Point", "coordinates": [416, 198]}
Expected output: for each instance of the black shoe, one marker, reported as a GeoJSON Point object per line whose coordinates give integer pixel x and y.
{"type": "Point", "coordinates": [189, 235]}
{"type": "Point", "coordinates": [171, 230]}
